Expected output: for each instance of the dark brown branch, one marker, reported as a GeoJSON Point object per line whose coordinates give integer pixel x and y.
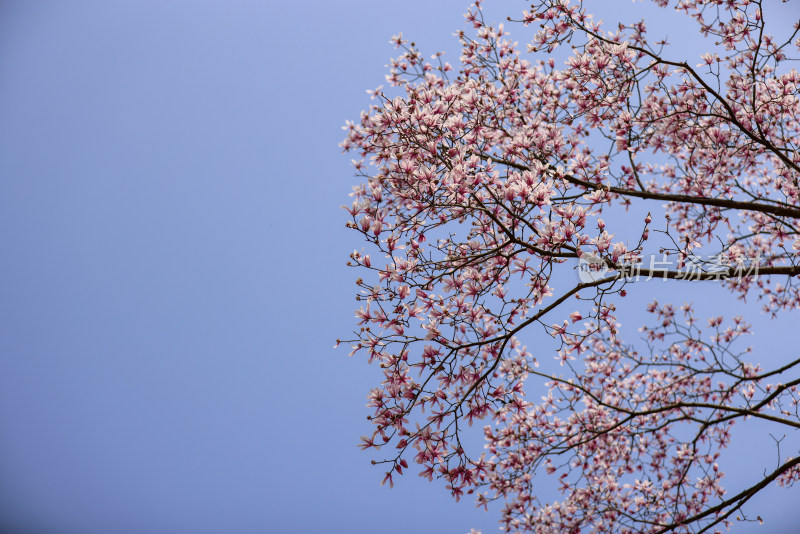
{"type": "Point", "coordinates": [781, 211]}
{"type": "Point", "coordinates": [739, 499]}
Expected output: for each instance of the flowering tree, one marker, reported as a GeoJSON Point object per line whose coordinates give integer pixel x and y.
{"type": "Point", "coordinates": [484, 188]}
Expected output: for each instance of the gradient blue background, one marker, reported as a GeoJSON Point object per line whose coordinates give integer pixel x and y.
{"type": "Point", "coordinates": [172, 256]}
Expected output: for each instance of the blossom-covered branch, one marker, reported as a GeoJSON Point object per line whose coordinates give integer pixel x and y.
{"type": "Point", "coordinates": [485, 187]}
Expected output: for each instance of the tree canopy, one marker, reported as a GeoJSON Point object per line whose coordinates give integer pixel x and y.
{"type": "Point", "coordinates": [512, 196]}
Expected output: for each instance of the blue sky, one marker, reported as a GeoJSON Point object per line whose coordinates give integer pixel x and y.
{"type": "Point", "coordinates": [173, 274]}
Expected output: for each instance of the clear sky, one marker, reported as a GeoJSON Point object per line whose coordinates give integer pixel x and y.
{"type": "Point", "coordinates": [172, 253]}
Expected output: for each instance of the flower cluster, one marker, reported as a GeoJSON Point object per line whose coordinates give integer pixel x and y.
{"type": "Point", "coordinates": [484, 183]}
